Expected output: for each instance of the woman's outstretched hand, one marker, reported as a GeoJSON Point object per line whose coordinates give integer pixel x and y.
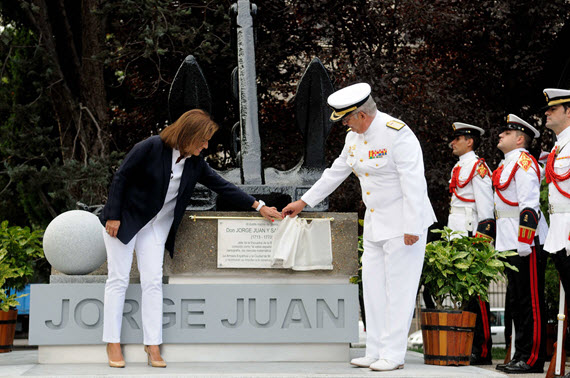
{"type": "Point", "coordinates": [270, 213]}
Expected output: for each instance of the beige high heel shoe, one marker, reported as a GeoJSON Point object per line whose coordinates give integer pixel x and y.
{"type": "Point", "coordinates": [159, 363]}
{"type": "Point", "coordinates": [115, 364]}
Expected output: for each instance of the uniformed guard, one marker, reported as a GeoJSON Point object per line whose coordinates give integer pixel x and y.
{"type": "Point", "coordinates": [522, 228]}
{"type": "Point", "coordinates": [470, 185]}
{"type": "Point", "coordinates": [472, 211]}
{"type": "Point", "coordinates": [386, 156]}
{"type": "Point", "coordinates": [558, 179]}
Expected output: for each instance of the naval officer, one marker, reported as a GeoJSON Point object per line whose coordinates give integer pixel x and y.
{"type": "Point", "coordinates": [386, 156]}
{"type": "Point", "coordinates": [472, 212]}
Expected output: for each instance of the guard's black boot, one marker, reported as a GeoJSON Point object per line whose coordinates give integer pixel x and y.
{"type": "Point", "coordinates": [521, 367]}
{"type": "Point", "coordinates": [502, 367]}
{"type": "Point", "coordinates": [477, 360]}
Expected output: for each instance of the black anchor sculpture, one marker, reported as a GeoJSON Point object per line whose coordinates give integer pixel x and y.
{"type": "Point", "coordinates": [189, 90]}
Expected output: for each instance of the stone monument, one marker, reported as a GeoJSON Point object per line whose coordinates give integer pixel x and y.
{"type": "Point", "coordinates": [190, 90]}
{"type": "Point", "coordinates": [223, 301]}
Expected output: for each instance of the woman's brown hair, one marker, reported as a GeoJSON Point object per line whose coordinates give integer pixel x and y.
{"type": "Point", "coordinates": [189, 131]}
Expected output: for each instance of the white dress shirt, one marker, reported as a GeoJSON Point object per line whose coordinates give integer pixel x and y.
{"type": "Point", "coordinates": [162, 221]}
{"type": "Point", "coordinates": [524, 189]}
{"type": "Point", "coordinates": [559, 232]}
{"type": "Point", "coordinates": [479, 189]}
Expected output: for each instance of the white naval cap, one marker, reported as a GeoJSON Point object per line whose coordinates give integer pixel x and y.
{"type": "Point", "coordinates": [346, 100]}
{"type": "Point", "coordinates": [517, 123]}
{"type": "Point", "coordinates": [555, 96]}
{"type": "Point", "coordinates": [460, 128]}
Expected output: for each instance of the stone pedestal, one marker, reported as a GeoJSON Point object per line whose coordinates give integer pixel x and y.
{"type": "Point", "coordinates": [212, 314]}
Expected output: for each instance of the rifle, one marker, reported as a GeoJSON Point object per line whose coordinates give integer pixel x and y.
{"type": "Point", "coordinates": [556, 367]}
{"type": "Point", "coordinates": [508, 355]}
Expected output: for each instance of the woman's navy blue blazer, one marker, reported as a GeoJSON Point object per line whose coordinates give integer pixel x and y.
{"type": "Point", "coordinates": [139, 188]}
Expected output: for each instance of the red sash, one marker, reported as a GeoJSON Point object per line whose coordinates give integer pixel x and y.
{"type": "Point", "coordinates": [456, 183]}
{"type": "Point", "coordinates": [497, 179]}
{"type": "Point", "coordinates": [553, 177]}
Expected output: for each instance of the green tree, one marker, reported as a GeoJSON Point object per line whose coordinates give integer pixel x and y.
{"type": "Point", "coordinates": [36, 181]}
{"type": "Point", "coordinates": [94, 76]}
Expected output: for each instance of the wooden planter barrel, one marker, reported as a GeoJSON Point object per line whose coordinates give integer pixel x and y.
{"type": "Point", "coordinates": [447, 336]}
{"type": "Point", "coordinates": [7, 329]}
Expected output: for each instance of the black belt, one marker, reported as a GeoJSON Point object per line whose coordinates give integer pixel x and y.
{"type": "Point", "coordinates": [446, 328]}
{"type": "Point", "coordinates": [446, 358]}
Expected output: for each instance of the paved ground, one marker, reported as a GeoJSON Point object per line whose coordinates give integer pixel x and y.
{"type": "Point", "coordinates": [24, 363]}
{"type": "Point", "coordinates": [492, 367]}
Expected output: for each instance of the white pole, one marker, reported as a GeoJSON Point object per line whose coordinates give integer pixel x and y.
{"type": "Point", "coordinates": [512, 339]}
{"type": "Point", "coordinates": [561, 330]}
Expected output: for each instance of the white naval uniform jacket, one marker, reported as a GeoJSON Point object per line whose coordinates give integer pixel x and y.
{"type": "Point", "coordinates": [559, 232]}
{"type": "Point", "coordinates": [389, 164]}
{"type": "Point", "coordinates": [479, 188]}
{"type": "Point", "coordinates": [524, 189]}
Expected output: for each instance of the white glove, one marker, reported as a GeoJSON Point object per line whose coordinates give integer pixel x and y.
{"type": "Point", "coordinates": [523, 249]}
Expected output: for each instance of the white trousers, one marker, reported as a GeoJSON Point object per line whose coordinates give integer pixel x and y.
{"type": "Point", "coordinates": [391, 274]}
{"type": "Point", "coordinates": [150, 254]}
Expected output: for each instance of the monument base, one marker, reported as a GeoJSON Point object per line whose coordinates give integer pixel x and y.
{"type": "Point", "coordinates": [321, 352]}
{"type": "Point", "coordinates": [212, 314]}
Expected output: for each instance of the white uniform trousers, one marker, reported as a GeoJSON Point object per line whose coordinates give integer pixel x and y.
{"type": "Point", "coordinates": [150, 254]}
{"type": "Point", "coordinates": [391, 274]}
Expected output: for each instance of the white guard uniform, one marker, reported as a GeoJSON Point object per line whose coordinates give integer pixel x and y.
{"type": "Point", "coordinates": [559, 205]}
{"type": "Point", "coordinates": [388, 161]}
{"type": "Point", "coordinates": [465, 215]}
{"type": "Point", "coordinates": [524, 189]}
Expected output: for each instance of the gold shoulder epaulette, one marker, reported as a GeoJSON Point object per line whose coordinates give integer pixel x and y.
{"type": "Point", "coordinates": [524, 161]}
{"type": "Point", "coordinates": [395, 125]}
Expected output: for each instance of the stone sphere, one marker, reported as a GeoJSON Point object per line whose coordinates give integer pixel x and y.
{"type": "Point", "coordinates": [73, 242]}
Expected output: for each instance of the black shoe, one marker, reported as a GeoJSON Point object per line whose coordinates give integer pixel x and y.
{"type": "Point", "coordinates": [476, 360]}
{"type": "Point", "coordinates": [521, 367]}
{"type": "Point", "coordinates": [502, 367]}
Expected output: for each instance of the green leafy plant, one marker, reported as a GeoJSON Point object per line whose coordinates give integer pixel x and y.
{"type": "Point", "coordinates": [551, 291]}
{"type": "Point", "coordinates": [20, 251]}
{"type": "Point", "coordinates": [6, 300]}
{"type": "Point", "coordinates": [358, 278]}
{"type": "Point", "coordinates": [459, 267]}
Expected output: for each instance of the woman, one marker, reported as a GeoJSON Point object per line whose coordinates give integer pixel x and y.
{"type": "Point", "coordinates": [147, 199]}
